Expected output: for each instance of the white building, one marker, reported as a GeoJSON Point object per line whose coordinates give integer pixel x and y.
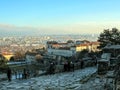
{"type": "Point", "coordinates": [61, 52]}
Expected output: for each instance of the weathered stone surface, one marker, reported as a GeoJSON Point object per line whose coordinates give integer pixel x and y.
{"type": "Point", "coordinates": [59, 81]}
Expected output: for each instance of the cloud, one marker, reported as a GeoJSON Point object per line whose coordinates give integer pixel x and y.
{"type": "Point", "coordinates": [6, 26]}
{"type": "Point", "coordinates": [73, 28]}
{"type": "Point", "coordinates": [8, 29]}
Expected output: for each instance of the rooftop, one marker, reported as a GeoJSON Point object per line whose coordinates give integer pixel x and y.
{"type": "Point", "coordinates": [112, 47]}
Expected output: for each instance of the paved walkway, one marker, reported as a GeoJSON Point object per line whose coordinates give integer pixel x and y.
{"type": "Point", "coordinates": [59, 81]}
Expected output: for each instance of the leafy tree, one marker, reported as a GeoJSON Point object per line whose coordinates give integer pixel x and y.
{"type": "Point", "coordinates": [12, 59]}
{"type": "Point", "coordinates": [39, 58]}
{"type": "Point", "coordinates": [70, 41]}
{"type": "Point", "coordinates": [109, 37]}
{"type": "Point", "coordinates": [19, 55]}
{"type": "Point", "coordinates": [52, 42]}
{"type": "Point", "coordinates": [3, 65]}
{"type": "Point", "coordinates": [82, 54]}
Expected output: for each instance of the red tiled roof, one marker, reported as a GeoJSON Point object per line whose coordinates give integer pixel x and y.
{"type": "Point", "coordinates": [88, 44]}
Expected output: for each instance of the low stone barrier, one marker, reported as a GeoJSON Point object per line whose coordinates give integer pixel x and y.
{"type": "Point", "coordinates": [3, 77]}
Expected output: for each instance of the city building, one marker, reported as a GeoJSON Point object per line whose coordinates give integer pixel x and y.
{"type": "Point", "coordinates": [70, 49]}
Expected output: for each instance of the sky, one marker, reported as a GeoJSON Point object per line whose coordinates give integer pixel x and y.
{"type": "Point", "coordinates": [58, 16]}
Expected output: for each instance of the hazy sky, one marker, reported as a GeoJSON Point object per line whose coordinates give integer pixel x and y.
{"type": "Point", "coordinates": [58, 16]}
